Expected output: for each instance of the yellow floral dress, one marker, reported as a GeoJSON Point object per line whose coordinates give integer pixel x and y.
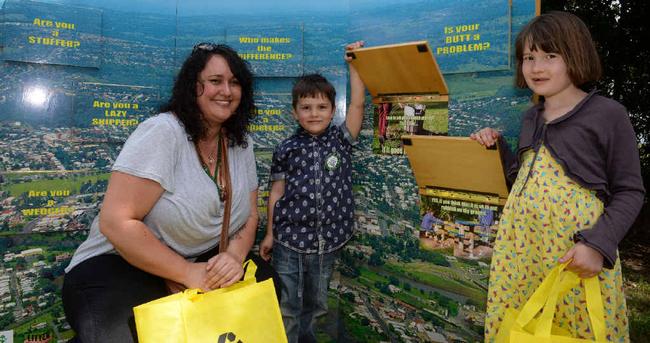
{"type": "Point", "coordinates": [544, 210]}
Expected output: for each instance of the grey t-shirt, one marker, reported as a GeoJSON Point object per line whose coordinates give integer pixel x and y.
{"type": "Point", "coordinates": [188, 215]}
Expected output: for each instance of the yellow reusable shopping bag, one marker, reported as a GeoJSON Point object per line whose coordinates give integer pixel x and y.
{"type": "Point", "coordinates": [524, 326]}
{"type": "Point", "coordinates": [246, 312]}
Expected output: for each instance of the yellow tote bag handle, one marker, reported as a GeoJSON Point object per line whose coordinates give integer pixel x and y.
{"type": "Point", "coordinates": [539, 297]}
{"type": "Point", "coordinates": [567, 281]}
{"type": "Point", "coordinates": [250, 268]}
{"type": "Point", "coordinates": [546, 296]}
{"type": "Point", "coordinates": [595, 308]}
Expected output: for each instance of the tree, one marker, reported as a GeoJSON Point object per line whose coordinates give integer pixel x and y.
{"type": "Point", "coordinates": [6, 243]}
{"type": "Point", "coordinates": [21, 263]}
{"type": "Point", "coordinates": [7, 319]}
{"type": "Point", "coordinates": [376, 260]}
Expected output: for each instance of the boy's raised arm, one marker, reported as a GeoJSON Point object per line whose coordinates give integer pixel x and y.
{"type": "Point", "coordinates": [354, 117]}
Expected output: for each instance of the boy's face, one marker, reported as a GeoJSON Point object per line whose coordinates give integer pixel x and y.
{"type": "Point", "coordinates": [314, 114]}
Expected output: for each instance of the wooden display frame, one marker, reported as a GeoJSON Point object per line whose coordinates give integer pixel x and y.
{"type": "Point", "coordinates": [457, 164]}
{"type": "Point", "coordinates": [409, 92]}
{"type": "Point", "coordinates": [405, 69]}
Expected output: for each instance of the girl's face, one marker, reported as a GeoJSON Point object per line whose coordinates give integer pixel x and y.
{"type": "Point", "coordinates": [220, 92]}
{"type": "Point", "coordinates": [545, 73]}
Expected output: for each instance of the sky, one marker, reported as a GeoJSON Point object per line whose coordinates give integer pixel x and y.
{"type": "Point", "coordinates": [206, 7]}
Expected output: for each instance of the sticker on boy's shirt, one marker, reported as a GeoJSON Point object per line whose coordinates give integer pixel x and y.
{"type": "Point", "coordinates": [332, 162]}
{"type": "Point", "coordinates": [7, 336]}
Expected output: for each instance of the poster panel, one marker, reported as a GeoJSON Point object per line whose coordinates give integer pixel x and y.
{"type": "Point", "coordinates": [31, 275]}
{"type": "Point", "coordinates": [270, 50]}
{"type": "Point", "coordinates": [465, 35]}
{"type": "Point", "coordinates": [49, 33]}
{"type": "Point", "coordinates": [273, 122]}
{"type": "Point", "coordinates": [35, 202]}
{"type": "Point", "coordinates": [110, 112]}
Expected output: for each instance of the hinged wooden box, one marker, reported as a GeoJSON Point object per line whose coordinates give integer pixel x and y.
{"type": "Point", "coordinates": [408, 91]}
{"type": "Point", "coordinates": [462, 188]}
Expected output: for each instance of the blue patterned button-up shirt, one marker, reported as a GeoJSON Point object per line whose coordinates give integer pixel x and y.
{"type": "Point", "coordinates": [316, 212]}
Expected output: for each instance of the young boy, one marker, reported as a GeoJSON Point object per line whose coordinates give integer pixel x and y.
{"type": "Point", "coordinates": [311, 209]}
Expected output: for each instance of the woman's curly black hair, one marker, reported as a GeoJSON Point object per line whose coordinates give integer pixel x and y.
{"type": "Point", "coordinates": [183, 101]}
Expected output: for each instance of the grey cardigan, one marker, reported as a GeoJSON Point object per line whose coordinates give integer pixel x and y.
{"type": "Point", "coordinates": [596, 146]}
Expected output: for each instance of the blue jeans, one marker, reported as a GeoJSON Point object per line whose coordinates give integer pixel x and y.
{"type": "Point", "coordinates": [304, 280]}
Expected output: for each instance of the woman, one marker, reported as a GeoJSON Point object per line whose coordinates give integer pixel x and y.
{"type": "Point", "coordinates": [163, 209]}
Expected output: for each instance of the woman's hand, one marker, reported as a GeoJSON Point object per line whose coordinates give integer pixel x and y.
{"type": "Point", "coordinates": [266, 246]}
{"type": "Point", "coordinates": [195, 277]}
{"type": "Point", "coordinates": [587, 261]}
{"type": "Point", "coordinates": [223, 270]}
{"type": "Point", "coordinates": [174, 287]}
{"type": "Point", "coordinates": [486, 136]}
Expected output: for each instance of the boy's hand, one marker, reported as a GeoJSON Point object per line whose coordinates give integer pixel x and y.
{"type": "Point", "coordinates": [266, 246]}
{"type": "Point", "coordinates": [352, 46]}
{"type": "Point", "coordinates": [587, 261]}
{"type": "Point", "coordinates": [486, 136]}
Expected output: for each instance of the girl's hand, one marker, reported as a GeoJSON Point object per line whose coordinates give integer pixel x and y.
{"type": "Point", "coordinates": [223, 270]}
{"type": "Point", "coordinates": [266, 246]}
{"type": "Point", "coordinates": [486, 136]}
{"type": "Point", "coordinates": [587, 261]}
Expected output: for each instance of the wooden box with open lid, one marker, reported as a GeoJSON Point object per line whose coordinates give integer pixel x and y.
{"type": "Point", "coordinates": [462, 187]}
{"type": "Point", "coordinates": [408, 91]}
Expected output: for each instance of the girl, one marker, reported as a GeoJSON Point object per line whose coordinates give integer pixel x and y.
{"type": "Point", "coordinates": [578, 185]}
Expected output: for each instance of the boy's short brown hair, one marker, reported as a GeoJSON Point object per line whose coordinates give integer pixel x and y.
{"type": "Point", "coordinates": [565, 34]}
{"type": "Point", "coordinates": [312, 85]}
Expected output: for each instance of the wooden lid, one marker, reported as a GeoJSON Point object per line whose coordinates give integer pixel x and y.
{"type": "Point", "coordinates": [398, 69]}
{"type": "Point", "coordinates": [455, 163]}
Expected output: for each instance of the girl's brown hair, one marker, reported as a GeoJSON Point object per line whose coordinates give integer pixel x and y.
{"type": "Point", "coordinates": [564, 34]}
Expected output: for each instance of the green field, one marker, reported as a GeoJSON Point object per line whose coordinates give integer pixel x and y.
{"type": "Point", "coordinates": [637, 297]}
{"type": "Point", "coordinates": [448, 279]}
{"type": "Point", "coordinates": [463, 88]}
{"type": "Point", "coordinates": [413, 297]}
{"type": "Point", "coordinates": [26, 328]}
{"type": "Point", "coordinates": [72, 183]}
{"type": "Point", "coordinates": [339, 310]}
{"type": "Point", "coordinates": [436, 120]}
{"type": "Point", "coordinates": [358, 330]}
{"type": "Point", "coordinates": [263, 154]}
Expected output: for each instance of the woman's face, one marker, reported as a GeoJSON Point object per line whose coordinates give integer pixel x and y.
{"type": "Point", "coordinates": [219, 91]}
